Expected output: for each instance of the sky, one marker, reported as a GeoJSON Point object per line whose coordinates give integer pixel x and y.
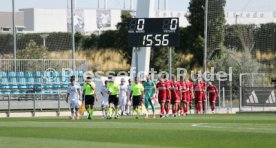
{"type": "Point", "coordinates": [177, 5]}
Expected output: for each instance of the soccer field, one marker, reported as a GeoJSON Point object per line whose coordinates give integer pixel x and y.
{"type": "Point", "coordinates": [194, 131]}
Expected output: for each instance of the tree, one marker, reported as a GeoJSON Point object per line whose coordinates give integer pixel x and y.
{"type": "Point", "coordinates": [122, 36]}
{"type": "Point", "coordinates": [196, 17]}
{"type": "Point", "coordinates": [159, 59]}
{"type": "Point", "coordinates": [216, 22]}
{"type": "Point", "coordinates": [78, 40]}
{"type": "Point", "coordinates": [90, 42]}
{"type": "Point", "coordinates": [107, 39]}
{"type": "Point", "coordinates": [240, 61]}
{"type": "Point", "coordinates": [33, 51]}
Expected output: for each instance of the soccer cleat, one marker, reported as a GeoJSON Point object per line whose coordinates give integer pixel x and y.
{"type": "Point", "coordinates": [72, 117]}
{"type": "Point", "coordinates": [147, 116]}
{"type": "Point", "coordinates": [174, 115]}
{"type": "Point", "coordinates": [89, 117]}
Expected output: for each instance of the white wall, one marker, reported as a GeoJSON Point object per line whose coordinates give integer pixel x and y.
{"type": "Point", "coordinates": [45, 20]}
{"type": "Point", "coordinates": [90, 20]}
{"type": "Point", "coordinates": [250, 17]}
{"type": "Point", "coordinates": [183, 22]}
{"type": "Point", "coordinates": [50, 20]}
{"type": "Point", "coordinates": [28, 19]}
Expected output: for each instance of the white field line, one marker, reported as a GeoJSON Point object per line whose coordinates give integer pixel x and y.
{"type": "Point", "coordinates": [207, 125]}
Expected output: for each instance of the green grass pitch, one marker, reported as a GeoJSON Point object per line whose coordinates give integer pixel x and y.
{"type": "Point", "coordinates": [194, 131]}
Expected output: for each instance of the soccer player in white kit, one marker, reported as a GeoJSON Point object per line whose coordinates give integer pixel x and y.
{"type": "Point", "coordinates": [128, 105]}
{"type": "Point", "coordinates": [74, 94]}
{"type": "Point", "coordinates": [123, 96]}
{"type": "Point", "coordinates": [104, 98]}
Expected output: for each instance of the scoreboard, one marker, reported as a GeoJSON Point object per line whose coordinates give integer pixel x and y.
{"type": "Point", "coordinates": [153, 32]}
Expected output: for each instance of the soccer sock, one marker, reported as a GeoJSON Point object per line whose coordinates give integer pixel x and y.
{"type": "Point", "coordinates": [116, 111]}
{"type": "Point", "coordinates": [109, 111]}
{"type": "Point", "coordinates": [147, 103]}
{"type": "Point", "coordinates": [167, 109]}
{"type": "Point", "coordinates": [212, 108]}
{"type": "Point", "coordinates": [152, 106]}
{"type": "Point", "coordinates": [199, 108]}
{"type": "Point", "coordinates": [76, 112]}
{"type": "Point", "coordinates": [162, 110]}
{"type": "Point", "coordinates": [92, 112]}
{"type": "Point", "coordinates": [185, 109]}
{"type": "Point", "coordinates": [203, 106]}
{"type": "Point", "coordinates": [138, 111]}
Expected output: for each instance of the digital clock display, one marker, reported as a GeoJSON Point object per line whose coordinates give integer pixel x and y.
{"type": "Point", "coordinates": [153, 32]}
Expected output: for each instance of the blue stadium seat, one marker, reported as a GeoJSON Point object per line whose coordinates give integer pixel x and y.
{"type": "Point", "coordinates": [38, 81]}
{"type": "Point", "coordinates": [81, 73]}
{"type": "Point", "coordinates": [14, 83]}
{"type": "Point", "coordinates": [37, 74]}
{"type": "Point", "coordinates": [47, 74]}
{"type": "Point", "coordinates": [22, 83]}
{"type": "Point", "coordinates": [30, 82]}
{"type": "Point", "coordinates": [3, 83]}
{"type": "Point", "coordinates": [19, 74]}
{"type": "Point", "coordinates": [3, 74]}
{"type": "Point", "coordinates": [11, 74]}
{"type": "Point", "coordinates": [28, 74]}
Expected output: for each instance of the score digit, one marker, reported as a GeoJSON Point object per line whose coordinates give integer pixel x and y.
{"type": "Point", "coordinates": [165, 41]}
{"type": "Point", "coordinates": [158, 39]}
{"type": "Point", "coordinates": [174, 24]}
{"type": "Point", "coordinates": [141, 24]}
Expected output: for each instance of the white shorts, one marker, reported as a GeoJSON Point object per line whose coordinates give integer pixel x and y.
{"type": "Point", "coordinates": [123, 101]}
{"type": "Point", "coordinates": [105, 102]}
{"type": "Point", "coordinates": [74, 104]}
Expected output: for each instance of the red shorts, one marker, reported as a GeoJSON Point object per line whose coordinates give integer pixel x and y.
{"type": "Point", "coordinates": [184, 97]}
{"type": "Point", "coordinates": [162, 99]}
{"type": "Point", "coordinates": [198, 98]}
{"type": "Point", "coordinates": [189, 98]}
{"type": "Point", "coordinates": [176, 100]}
{"type": "Point", "coordinates": [203, 97]}
{"type": "Point", "coordinates": [212, 98]}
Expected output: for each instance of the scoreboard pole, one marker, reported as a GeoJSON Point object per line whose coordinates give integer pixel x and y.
{"type": "Point", "coordinates": [170, 63]}
{"type": "Point", "coordinates": [136, 61]}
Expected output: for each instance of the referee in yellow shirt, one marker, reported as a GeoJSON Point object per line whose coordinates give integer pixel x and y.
{"type": "Point", "coordinates": [89, 96]}
{"type": "Point", "coordinates": [113, 99]}
{"type": "Point", "coordinates": [137, 91]}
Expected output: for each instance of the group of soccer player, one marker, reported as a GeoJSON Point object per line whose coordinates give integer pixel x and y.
{"type": "Point", "coordinates": [181, 94]}
{"type": "Point", "coordinates": [117, 98]}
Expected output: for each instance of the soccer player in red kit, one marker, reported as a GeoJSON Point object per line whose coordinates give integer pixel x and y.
{"type": "Point", "coordinates": [184, 95]}
{"type": "Point", "coordinates": [212, 91]}
{"type": "Point", "coordinates": [175, 94]}
{"type": "Point", "coordinates": [169, 92]}
{"type": "Point", "coordinates": [162, 90]}
{"type": "Point", "coordinates": [189, 93]}
{"type": "Point", "coordinates": [198, 91]}
{"type": "Point", "coordinates": [204, 99]}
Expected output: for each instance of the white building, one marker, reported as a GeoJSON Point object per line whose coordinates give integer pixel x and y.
{"type": "Point", "coordinates": [90, 21]}
{"type": "Point", "coordinates": [250, 17]}
{"type": "Point", "coordinates": [59, 20]}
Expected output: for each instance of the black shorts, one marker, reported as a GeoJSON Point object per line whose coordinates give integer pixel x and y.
{"type": "Point", "coordinates": [113, 99]}
{"type": "Point", "coordinates": [89, 99]}
{"type": "Point", "coordinates": [137, 101]}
